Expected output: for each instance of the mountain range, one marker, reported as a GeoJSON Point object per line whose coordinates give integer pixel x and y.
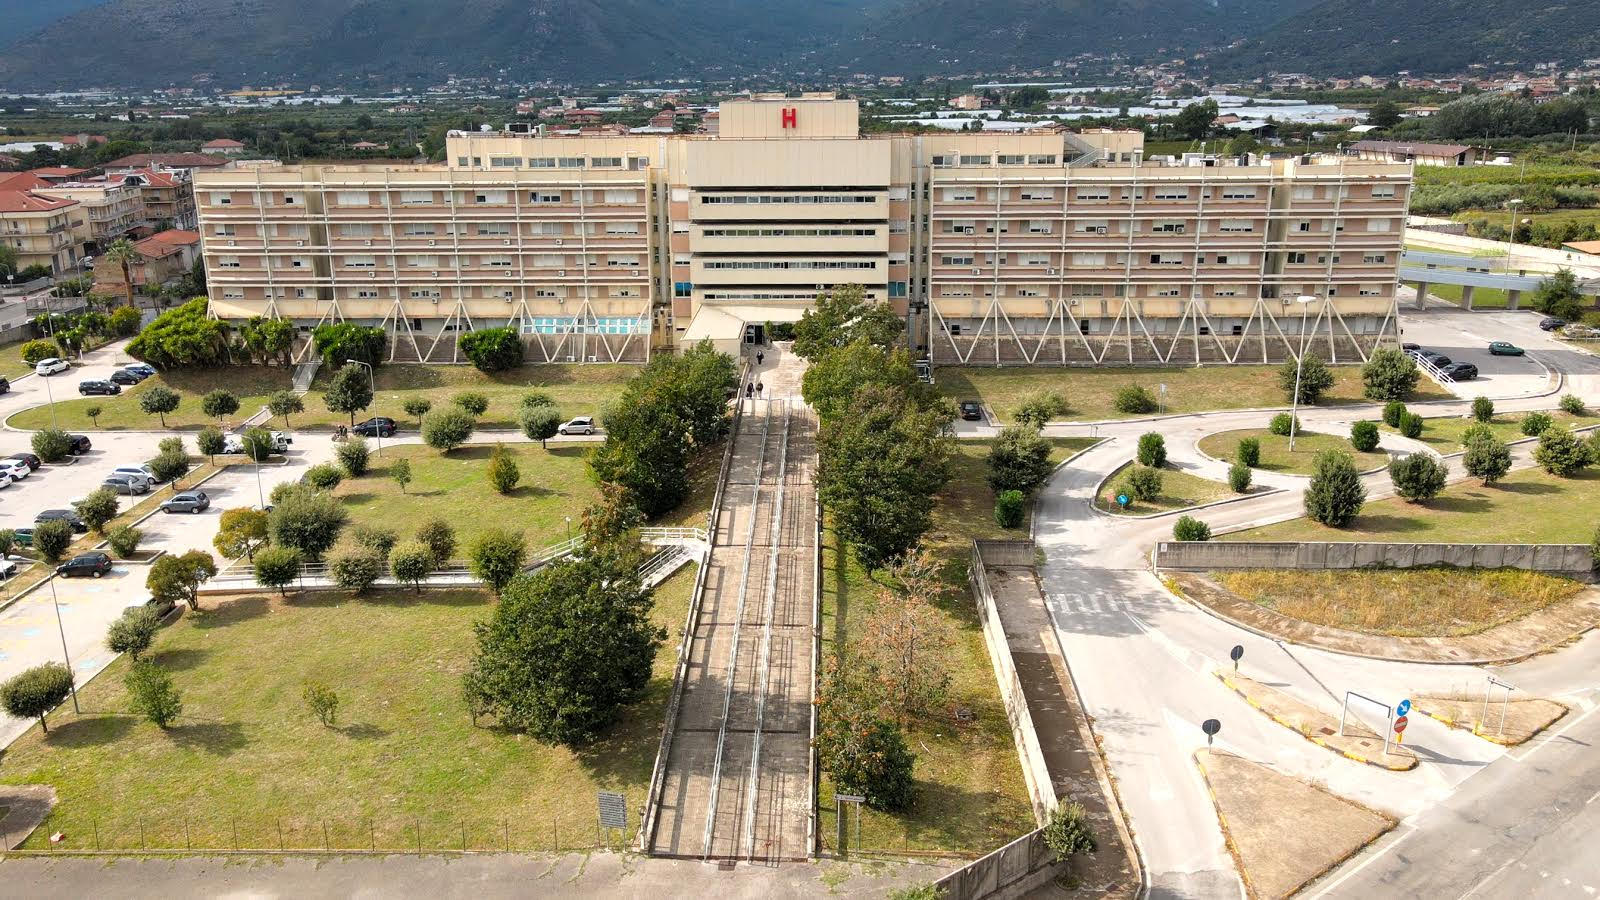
{"type": "Point", "coordinates": [80, 43]}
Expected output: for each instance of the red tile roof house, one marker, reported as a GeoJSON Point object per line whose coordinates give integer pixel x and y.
{"type": "Point", "coordinates": [163, 257]}
{"type": "Point", "coordinates": [223, 145]}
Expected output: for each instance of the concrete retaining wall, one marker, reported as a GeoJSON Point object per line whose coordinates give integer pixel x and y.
{"type": "Point", "coordinates": [1567, 560]}
{"type": "Point", "coordinates": [1014, 870]}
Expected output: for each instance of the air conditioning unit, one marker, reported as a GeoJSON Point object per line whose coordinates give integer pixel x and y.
{"type": "Point", "coordinates": [432, 242]}
{"type": "Point", "coordinates": [433, 274]}
{"type": "Point", "coordinates": [593, 358]}
{"type": "Point", "coordinates": [435, 301]}
{"type": "Point", "coordinates": [507, 242]}
{"type": "Point", "coordinates": [977, 271]}
{"type": "Point", "coordinates": [1180, 229]}
{"type": "Point", "coordinates": [369, 242]}
{"type": "Point", "coordinates": [968, 229]}
{"type": "Point", "coordinates": [558, 242]}
{"type": "Point", "coordinates": [1052, 271]}
{"type": "Point", "coordinates": [299, 243]}
{"type": "Point", "coordinates": [561, 273]}
{"type": "Point", "coordinates": [233, 243]}
{"type": "Point", "coordinates": [1100, 229]}
{"type": "Point", "coordinates": [636, 273]}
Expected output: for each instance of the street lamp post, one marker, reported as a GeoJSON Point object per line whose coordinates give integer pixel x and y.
{"type": "Point", "coordinates": [1511, 233]}
{"type": "Point", "coordinates": [372, 388]}
{"type": "Point", "coordinates": [50, 396]}
{"type": "Point", "coordinates": [1305, 301]}
{"type": "Point", "coordinates": [63, 631]}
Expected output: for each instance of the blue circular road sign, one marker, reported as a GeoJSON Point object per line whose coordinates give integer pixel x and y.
{"type": "Point", "coordinates": [1403, 710]}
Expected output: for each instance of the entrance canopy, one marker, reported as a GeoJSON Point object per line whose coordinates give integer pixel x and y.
{"type": "Point", "coordinates": [724, 325]}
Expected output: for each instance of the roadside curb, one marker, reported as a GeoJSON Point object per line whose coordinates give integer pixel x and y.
{"type": "Point", "coordinates": [1320, 742]}
{"type": "Point", "coordinates": [1462, 725]}
{"type": "Point", "coordinates": [1222, 820]}
{"type": "Point", "coordinates": [1100, 486]}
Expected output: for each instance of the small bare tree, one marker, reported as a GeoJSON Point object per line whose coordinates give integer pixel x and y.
{"type": "Point", "coordinates": [906, 638]}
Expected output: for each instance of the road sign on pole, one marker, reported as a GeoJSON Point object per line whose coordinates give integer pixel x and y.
{"type": "Point", "coordinates": [1210, 727]}
{"type": "Point", "coordinates": [1403, 708]}
{"type": "Point", "coordinates": [1236, 654]}
{"type": "Point", "coordinates": [1400, 723]}
{"type": "Point", "coordinates": [1122, 500]}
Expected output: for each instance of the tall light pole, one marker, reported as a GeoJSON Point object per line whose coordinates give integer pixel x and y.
{"type": "Point", "coordinates": [1511, 233]}
{"type": "Point", "coordinates": [51, 397]}
{"type": "Point", "coordinates": [63, 630]}
{"type": "Point", "coordinates": [372, 388]}
{"type": "Point", "coordinates": [1305, 301]}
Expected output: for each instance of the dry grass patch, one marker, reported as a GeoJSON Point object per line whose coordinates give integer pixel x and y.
{"type": "Point", "coordinates": [1440, 602]}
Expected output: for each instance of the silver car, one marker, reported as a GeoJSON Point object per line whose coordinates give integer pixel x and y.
{"type": "Point", "coordinates": [132, 485]}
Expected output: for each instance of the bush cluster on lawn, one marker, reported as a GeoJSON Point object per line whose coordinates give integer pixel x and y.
{"type": "Point", "coordinates": [1188, 528]}
{"type": "Point", "coordinates": [1239, 477]}
{"type": "Point", "coordinates": [1389, 374]}
{"type": "Point", "coordinates": [1535, 423]}
{"type": "Point", "coordinates": [1335, 495]}
{"type": "Point", "coordinates": [1392, 411]}
{"type": "Point", "coordinates": [1411, 425]}
{"type": "Point", "coordinates": [492, 349]}
{"type": "Point", "coordinates": [1008, 506]}
{"type": "Point", "coordinates": [1417, 477]}
{"type": "Point", "coordinates": [1283, 423]}
{"type": "Point", "coordinates": [1314, 378]}
{"type": "Point", "coordinates": [1364, 436]}
{"type": "Point", "coordinates": [1142, 483]}
{"type": "Point", "coordinates": [182, 336]}
{"type": "Point", "coordinates": [1134, 400]}
{"type": "Point", "coordinates": [1019, 460]}
{"type": "Point", "coordinates": [341, 342]}
{"type": "Point", "coordinates": [1249, 452]}
{"type": "Point", "coordinates": [1487, 456]}
{"type": "Point", "coordinates": [1482, 409]}
{"type": "Point", "coordinates": [1152, 450]}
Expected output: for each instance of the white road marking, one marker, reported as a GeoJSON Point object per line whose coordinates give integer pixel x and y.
{"type": "Point", "coordinates": [1371, 858]}
{"type": "Point", "coordinates": [1488, 878]}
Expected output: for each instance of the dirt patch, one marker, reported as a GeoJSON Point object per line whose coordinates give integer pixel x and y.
{"type": "Point", "coordinates": [1510, 723]}
{"type": "Point", "coordinates": [1277, 861]}
{"type": "Point", "coordinates": [1357, 741]}
{"type": "Point", "coordinates": [1533, 633]}
{"type": "Point", "coordinates": [22, 808]}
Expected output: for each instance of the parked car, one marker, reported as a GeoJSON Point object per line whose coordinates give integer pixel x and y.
{"type": "Point", "coordinates": [8, 568]}
{"type": "Point", "coordinates": [51, 366]}
{"type": "Point", "coordinates": [5, 480]}
{"type": "Point", "coordinates": [33, 461]}
{"type": "Point", "coordinates": [187, 501]}
{"type": "Point", "coordinates": [161, 607]}
{"type": "Point", "coordinates": [15, 468]}
{"type": "Point", "coordinates": [1439, 360]}
{"type": "Point", "coordinates": [22, 537]}
{"type": "Point", "coordinates": [972, 410]}
{"type": "Point", "coordinates": [1461, 372]}
{"type": "Point", "coordinates": [124, 376]}
{"type": "Point", "coordinates": [5, 385]}
{"type": "Point", "coordinates": [144, 369]}
{"type": "Point", "coordinates": [94, 564]}
{"type": "Point", "coordinates": [1504, 348]}
{"type": "Point", "coordinates": [1549, 323]}
{"type": "Point", "coordinates": [377, 426]}
{"type": "Point", "coordinates": [579, 425]}
{"type": "Point", "coordinates": [1411, 348]}
{"type": "Point", "coordinates": [65, 515]}
{"type": "Point", "coordinates": [98, 387]}
{"type": "Point", "coordinates": [141, 470]}
{"type": "Point", "coordinates": [279, 443]}
{"type": "Point", "coordinates": [132, 485]}
{"type": "Point", "coordinates": [79, 444]}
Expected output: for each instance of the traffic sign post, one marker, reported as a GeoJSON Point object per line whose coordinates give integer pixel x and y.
{"type": "Point", "coordinates": [1400, 729]}
{"type": "Point", "coordinates": [613, 811]}
{"type": "Point", "coordinates": [1122, 500]}
{"type": "Point", "coordinates": [839, 800]}
{"type": "Point", "coordinates": [1210, 727]}
{"type": "Point", "coordinates": [1236, 654]}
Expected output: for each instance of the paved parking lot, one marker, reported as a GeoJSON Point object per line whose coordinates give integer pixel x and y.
{"type": "Point", "coordinates": [1464, 337]}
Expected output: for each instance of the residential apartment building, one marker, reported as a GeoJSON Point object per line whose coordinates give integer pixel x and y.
{"type": "Point", "coordinates": [164, 257]}
{"type": "Point", "coordinates": [40, 229]}
{"type": "Point", "coordinates": [168, 197]}
{"type": "Point", "coordinates": [109, 207]}
{"type": "Point", "coordinates": [1029, 248]}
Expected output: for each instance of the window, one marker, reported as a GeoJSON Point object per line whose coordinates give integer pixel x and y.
{"type": "Point", "coordinates": [897, 288]}
{"type": "Point", "coordinates": [1236, 226]}
{"type": "Point", "coordinates": [228, 262]}
{"type": "Point", "coordinates": [497, 262]}
{"type": "Point", "coordinates": [352, 198]}
{"type": "Point", "coordinates": [291, 199]}
{"type": "Point", "coordinates": [225, 231]}
{"type": "Point", "coordinates": [358, 230]}
{"type": "Point", "coordinates": [960, 194]}
{"type": "Point", "coordinates": [1042, 159]}
{"type": "Point", "coordinates": [360, 262]}
{"type": "Point", "coordinates": [1088, 259]}
{"type": "Point", "coordinates": [1094, 193]}
{"type": "Point", "coordinates": [792, 264]}
{"type": "Point", "coordinates": [1374, 225]}
{"type": "Point", "coordinates": [1296, 259]}
{"type": "Point", "coordinates": [1375, 258]}
{"type": "Point", "coordinates": [622, 261]}
{"type": "Point", "coordinates": [1166, 259]}
{"type": "Point", "coordinates": [1167, 290]}
{"type": "Point", "coordinates": [1383, 192]}
{"type": "Point", "coordinates": [415, 198]}
{"type": "Point", "coordinates": [621, 196]}
{"type": "Point", "coordinates": [1087, 290]}
{"type": "Point", "coordinates": [219, 198]}
{"type": "Point", "coordinates": [1039, 226]}
{"type": "Point", "coordinates": [974, 159]}
{"type": "Point", "coordinates": [544, 197]}
{"type": "Point", "coordinates": [605, 162]}
{"type": "Point", "coordinates": [943, 161]}
{"type": "Point", "coordinates": [542, 162]}
{"type": "Point", "coordinates": [955, 260]}
{"type": "Point", "coordinates": [1034, 259]}
{"type": "Point", "coordinates": [1238, 193]}
{"type": "Point", "coordinates": [1369, 290]}
{"type": "Point", "coordinates": [1169, 193]}
{"type": "Point", "coordinates": [1225, 292]}
{"type": "Point", "coordinates": [424, 294]}
{"type": "Point", "coordinates": [571, 162]}
{"type": "Point", "coordinates": [504, 162]}
{"type": "Point", "coordinates": [494, 229]}
{"type": "Point", "coordinates": [233, 294]}
{"type": "Point", "coordinates": [622, 228]}
{"type": "Point", "coordinates": [1013, 159]}
{"type": "Point", "coordinates": [1168, 226]}
{"type": "Point", "coordinates": [1305, 193]}
{"type": "Point", "coordinates": [422, 261]}
{"type": "Point", "coordinates": [420, 229]}
{"type": "Point", "coordinates": [1030, 290]}
{"type": "Point", "coordinates": [898, 226]}
{"type": "Point", "coordinates": [366, 294]}
{"type": "Point", "coordinates": [491, 197]}
{"type": "Point", "coordinates": [1094, 226]}
{"type": "Point", "coordinates": [461, 162]}
{"type": "Point", "coordinates": [550, 260]}
{"type": "Point", "coordinates": [682, 288]}
{"type": "Point", "coordinates": [1037, 193]}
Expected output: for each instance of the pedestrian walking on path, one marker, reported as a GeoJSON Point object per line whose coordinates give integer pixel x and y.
{"type": "Point", "coordinates": [760, 357]}
{"type": "Point", "coordinates": [760, 389]}
{"type": "Point", "coordinates": [749, 389]}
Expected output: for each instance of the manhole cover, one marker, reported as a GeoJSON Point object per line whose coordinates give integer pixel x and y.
{"type": "Point", "coordinates": [1326, 730]}
{"type": "Point", "coordinates": [725, 865]}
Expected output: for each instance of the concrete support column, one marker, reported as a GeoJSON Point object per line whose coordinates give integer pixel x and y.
{"type": "Point", "coordinates": [1513, 299]}
{"type": "Point", "coordinates": [1422, 294]}
{"type": "Point", "coordinates": [1466, 296]}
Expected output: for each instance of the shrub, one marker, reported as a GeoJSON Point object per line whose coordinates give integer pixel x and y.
{"type": "Point", "coordinates": [307, 520]}
{"type": "Point", "coordinates": [277, 567]}
{"type": "Point", "coordinates": [51, 444]}
{"type": "Point", "coordinates": [1239, 476]}
{"type": "Point", "coordinates": [1533, 424]}
{"type": "Point", "coordinates": [1392, 411]}
{"type": "Point", "coordinates": [32, 693]}
{"type": "Point", "coordinates": [356, 569]}
{"type": "Point", "coordinates": [123, 321]}
{"type": "Point", "coordinates": [1560, 452]}
{"type": "Point", "coordinates": [376, 538]}
{"type": "Point", "coordinates": [324, 476]}
{"type": "Point", "coordinates": [400, 471]}
{"type": "Point", "coordinates": [322, 700]}
{"type": "Point", "coordinates": [410, 564]}
{"type": "Point", "coordinates": [539, 423]}
{"type": "Point", "coordinates": [1133, 399]}
{"type": "Point", "coordinates": [151, 694]}
{"type": "Point", "coordinates": [354, 456]}
{"type": "Point", "coordinates": [1249, 452]}
{"type": "Point", "coordinates": [219, 403]}
{"type": "Point", "coordinates": [503, 472]}
{"type": "Point", "coordinates": [492, 349]}
{"type": "Point", "coordinates": [1314, 376]}
{"type": "Point", "coordinates": [169, 466]}
{"type": "Point", "coordinates": [98, 508]}
{"type": "Point", "coordinates": [1487, 456]}
{"type": "Point", "coordinates": [417, 407]}
{"type": "Point", "coordinates": [52, 538]}
{"type": "Point", "coordinates": [1039, 407]}
{"type": "Point", "coordinates": [865, 754]}
{"type": "Point", "coordinates": [1411, 425]}
{"type": "Point", "coordinates": [37, 351]}
{"type": "Point", "coordinates": [124, 540]}
{"type": "Point", "coordinates": [1335, 495]}
{"type": "Point", "coordinates": [8, 542]}
{"type": "Point", "coordinates": [133, 631]}
{"type": "Point", "coordinates": [1389, 374]}
{"type": "Point", "coordinates": [1572, 404]}
{"type": "Point", "coordinates": [1142, 483]}
{"type": "Point", "coordinates": [496, 557]}
{"type": "Point", "coordinates": [1008, 508]}
{"type": "Point", "coordinates": [93, 412]}
{"type": "Point", "coordinates": [341, 342]}
{"type": "Point", "coordinates": [1068, 832]}
{"type": "Point", "coordinates": [1417, 477]}
{"type": "Point", "coordinates": [1364, 436]}
{"type": "Point", "coordinates": [158, 401]}
{"type": "Point", "coordinates": [182, 336]}
{"type": "Point", "coordinates": [209, 441]}
{"type": "Point", "coordinates": [439, 538]}
{"type": "Point", "coordinates": [177, 578]}
{"type": "Point", "coordinates": [1483, 409]}
{"type": "Point", "coordinates": [447, 430]}
{"type": "Point", "coordinates": [1152, 450]}
{"type": "Point", "coordinates": [536, 398]}
{"type": "Point", "coordinates": [1283, 423]}
{"type": "Point", "coordinates": [473, 402]}
{"type": "Point", "coordinates": [1188, 528]}
{"type": "Point", "coordinates": [1019, 460]}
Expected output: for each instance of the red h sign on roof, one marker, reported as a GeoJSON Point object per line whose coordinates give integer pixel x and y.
{"type": "Point", "coordinates": [790, 117]}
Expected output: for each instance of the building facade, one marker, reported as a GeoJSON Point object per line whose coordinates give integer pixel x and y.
{"type": "Point", "coordinates": [40, 229]}
{"type": "Point", "coordinates": [1031, 248]}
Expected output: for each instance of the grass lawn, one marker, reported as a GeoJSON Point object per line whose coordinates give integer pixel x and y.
{"type": "Point", "coordinates": [1275, 455]}
{"type": "Point", "coordinates": [970, 792]}
{"type": "Point", "coordinates": [1483, 298]}
{"type": "Point", "coordinates": [251, 384]}
{"type": "Point", "coordinates": [11, 364]}
{"type": "Point", "coordinates": [1440, 602]}
{"type": "Point", "coordinates": [1444, 434]}
{"type": "Point", "coordinates": [1553, 217]}
{"type": "Point", "coordinates": [1179, 490]}
{"type": "Point", "coordinates": [246, 754]}
{"type": "Point", "coordinates": [1089, 392]}
{"type": "Point", "coordinates": [1529, 507]}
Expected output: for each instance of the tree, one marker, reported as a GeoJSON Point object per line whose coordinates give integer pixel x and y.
{"type": "Point", "coordinates": [8, 542]}
{"type": "Point", "coordinates": [240, 531]}
{"type": "Point", "coordinates": [862, 751]}
{"type": "Point", "coordinates": [97, 508]}
{"type": "Point", "coordinates": [1384, 114]}
{"type": "Point", "coordinates": [32, 693]}
{"type": "Point", "coordinates": [355, 569]}
{"type": "Point", "coordinates": [1314, 375]}
{"type": "Point", "coordinates": [1389, 374]}
{"type": "Point", "coordinates": [151, 694]}
{"type": "Point", "coordinates": [832, 382]}
{"type": "Point", "coordinates": [447, 430]}
{"type": "Point", "coordinates": [1195, 120]}
{"type": "Point", "coordinates": [843, 316]}
{"type": "Point", "coordinates": [492, 349]}
{"type": "Point", "coordinates": [1558, 296]}
{"type": "Point", "coordinates": [323, 701]}
{"type": "Point", "coordinates": [1039, 407]}
{"type": "Point", "coordinates": [210, 442]}
{"type": "Point", "coordinates": [1008, 508]}
{"type": "Point", "coordinates": [1019, 460]}
{"type": "Point", "coordinates": [1248, 452]}
{"type": "Point", "coordinates": [182, 336]}
{"type": "Point", "coordinates": [1188, 528]}
{"type": "Point", "coordinates": [124, 540]}
{"type": "Point", "coordinates": [219, 403]}
{"type": "Point", "coordinates": [285, 403]}
{"type": "Point", "coordinates": [93, 412]}
{"type": "Point", "coordinates": [474, 403]}
{"type": "Point", "coordinates": [324, 476]}
{"type": "Point", "coordinates": [354, 456]}
{"type": "Point", "coordinates": [905, 641]}
{"type": "Point", "coordinates": [1068, 832]}
{"type": "Point", "coordinates": [1487, 457]}
{"type": "Point", "coordinates": [1152, 450]}
{"type": "Point", "coordinates": [1134, 400]}
{"type": "Point", "coordinates": [349, 391]}
{"type": "Point", "coordinates": [133, 631]}
{"type": "Point", "coordinates": [1560, 452]}
{"type": "Point", "coordinates": [439, 538]}
{"type": "Point", "coordinates": [400, 471]}
{"type": "Point", "coordinates": [277, 567]}
{"type": "Point", "coordinates": [37, 351]}
{"type": "Point", "coordinates": [52, 539]}
{"type": "Point", "coordinates": [503, 472]}
{"type": "Point", "coordinates": [539, 423]}
{"type": "Point", "coordinates": [1482, 409]}
{"type": "Point", "coordinates": [418, 407]}
{"type": "Point", "coordinates": [1364, 436]}
{"type": "Point", "coordinates": [258, 445]}
{"type": "Point", "coordinates": [1239, 476]}
{"type": "Point", "coordinates": [496, 557]}
{"type": "Point", "coordinates": [1417, 477]}
{"type": "Point", "coordinates": [177, 579]}
{"type": "Point", "coordinates": [564, 650]}
{"type": "Point", "coordinates": [1142, 483]}
{"type": "Point", "coordinates": [159, 401]}
{"type": "Point", "coordinates": [123, 321]}
{"type": "Point", "coordinates": [122, 254]}
{"type": "Point", "coordinates": [308, 521]}
{"type": "Point", "coordinates": [1335, 495]}
{"type": "Point", "coordinates": [342, 342]}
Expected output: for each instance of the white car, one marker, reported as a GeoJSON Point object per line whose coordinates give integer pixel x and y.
{"type": "Point", "coordinates": [51, 366]}
{"type": "Point", "coordinates": [141, 470]}
{"type": "Point", "coordinates": [15, 469]}
{"type": "Point", "coordinates": [580, 425]}
{"type": "Point", "coordinates": [5, 480]}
